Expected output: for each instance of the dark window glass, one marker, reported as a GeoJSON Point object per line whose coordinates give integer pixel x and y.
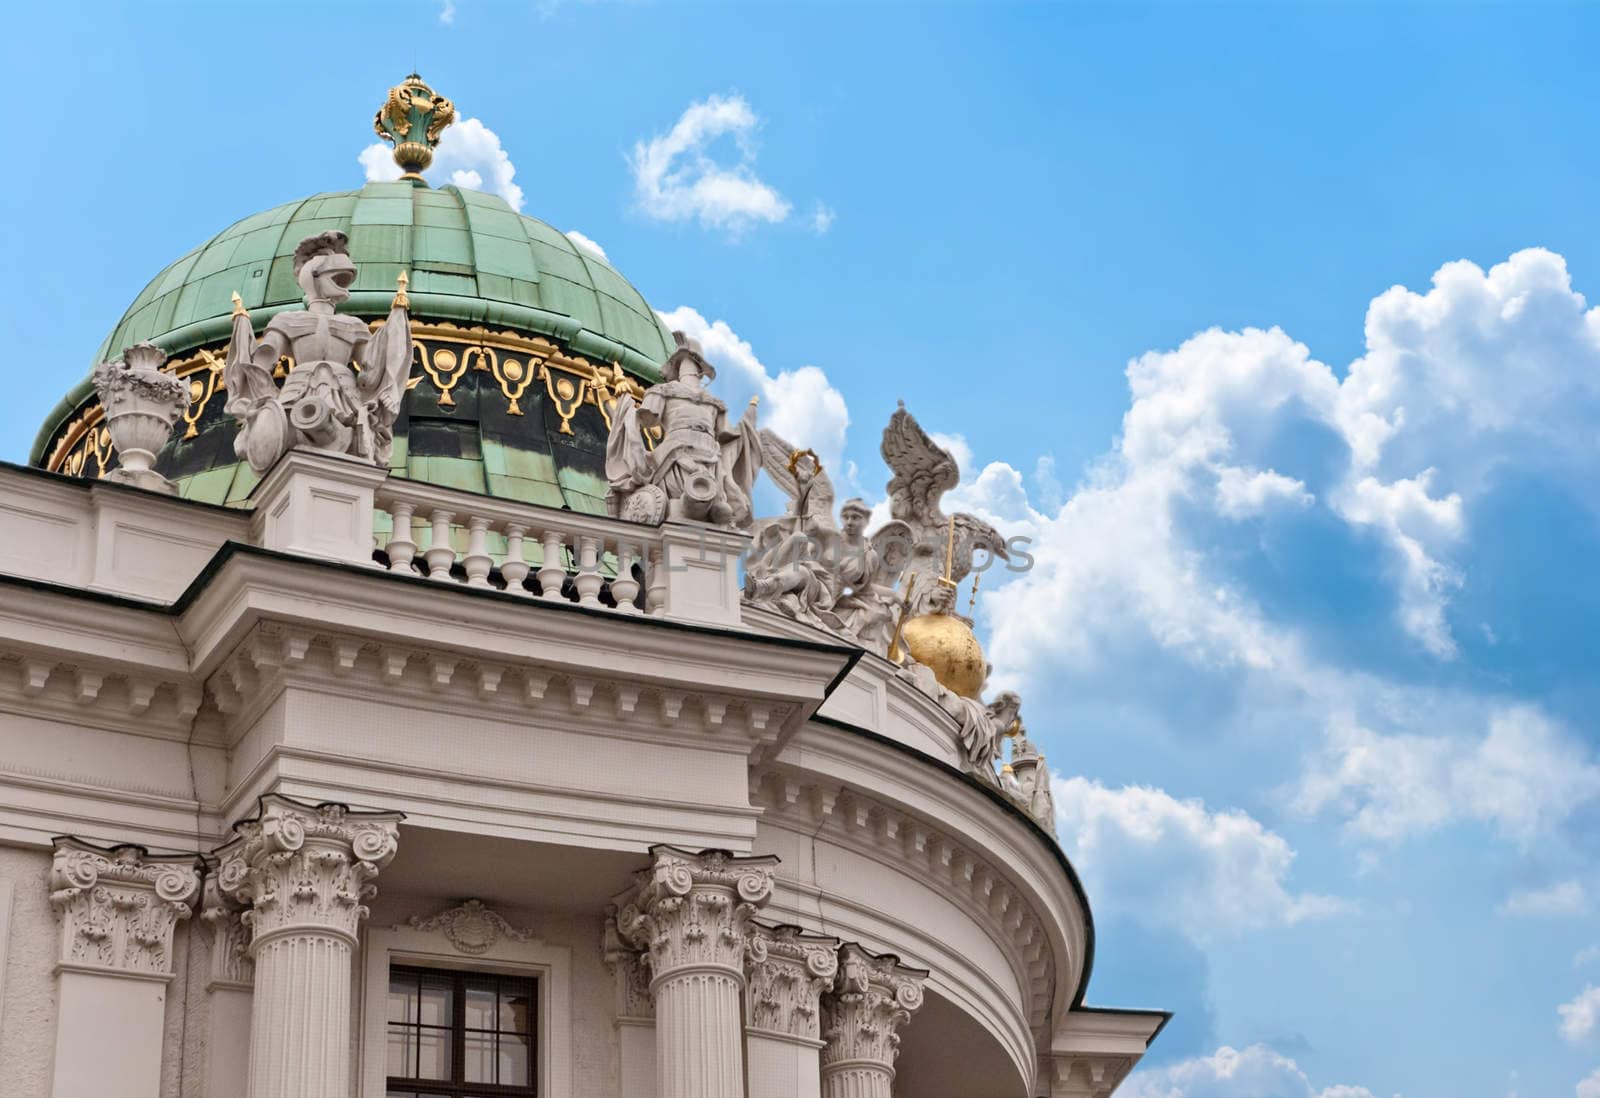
{"type": "Point", "coordinates": [461, 1034]}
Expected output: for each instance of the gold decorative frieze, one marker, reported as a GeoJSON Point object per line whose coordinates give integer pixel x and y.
{"type": "Point", "coordinates": [520, 366]}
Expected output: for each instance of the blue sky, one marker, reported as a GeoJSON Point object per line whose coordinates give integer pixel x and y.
{"type": "Point", "coordinates": [1266, 323]}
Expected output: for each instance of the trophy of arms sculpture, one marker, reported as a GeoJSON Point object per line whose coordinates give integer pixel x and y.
{"type": "Point", "coordinates": [325, 403]}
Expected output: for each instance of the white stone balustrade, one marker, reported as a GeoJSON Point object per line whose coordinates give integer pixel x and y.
{"type": "Point", "coordinates": [684, 570]}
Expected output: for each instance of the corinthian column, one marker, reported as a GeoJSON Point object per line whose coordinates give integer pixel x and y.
{"type": "Point", "coordinates": [690, 913]}
{"type": "Point", "coordinates": [873, 996]}
{"type": "Point", "coordinates": [304, 871]}
{"type": "Point", "coordinates": [788, 971]}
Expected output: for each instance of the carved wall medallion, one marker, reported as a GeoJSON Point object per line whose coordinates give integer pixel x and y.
{"type": "Point", "coordinates": [471, 928]}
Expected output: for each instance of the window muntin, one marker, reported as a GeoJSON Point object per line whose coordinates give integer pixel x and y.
{"type": "Point", "coordinates": [460, 1034]}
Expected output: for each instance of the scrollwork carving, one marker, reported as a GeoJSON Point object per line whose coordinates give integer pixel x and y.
{"type": "Point", "coordinates": [471, 927]}
{"type": "Point", "coordinates": [872, 997]}
{"type": "Point", "coordinates": [299, 867]}
{"type": "Point", "coordinates": [118, 907]}
{"type": "Point", "coordinates": [786, 972]}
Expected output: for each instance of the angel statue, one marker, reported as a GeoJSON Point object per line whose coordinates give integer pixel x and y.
{"type": "Point", "coordinates": [982, 727]}
{"type": "Point", "coordinates": [942, 546]}
{"type": "Point", "coordinates": [792, 566]}
{"type": "Point", "coordinates": [324, 402]}
{"type": "Point", "coordinates": [867, 605]}
{"type": "Point", "coordinates": [702, 468]}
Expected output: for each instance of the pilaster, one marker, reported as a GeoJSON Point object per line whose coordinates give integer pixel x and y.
{"type": "Point", "coordinates": [872, 997]}
{"type": "Point", "coordinates": [304, 871]}
{"type": "Point", "coordinates": [118, 909]}
{"type": "Point", "coordinates": [787, 972]}
{"type": "Point", "coordinates": [635, 1013]}
{"type": "Point", "coordinates": [690, 913]}
{"type": "Point", "coordinates": [230, 983]}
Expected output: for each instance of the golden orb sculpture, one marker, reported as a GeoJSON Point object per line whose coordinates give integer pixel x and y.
{"type": "Point", "coordinates": [945, 645]}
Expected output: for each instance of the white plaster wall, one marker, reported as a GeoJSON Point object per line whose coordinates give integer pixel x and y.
{"type": "Point", "coordinates": [27, 1040]}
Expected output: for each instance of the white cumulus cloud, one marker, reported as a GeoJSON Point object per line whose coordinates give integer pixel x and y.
{"type": "Point", "coordinates": [1563, 898]}
{"type": "Point", "coordinates": [1206, 873]}
{"type": "Point", "coordinates": [1254, 1072]}
{"type": "Point", "coordinates": [1581, 1016]}
{"type": "Point", "coordinates": [676, 177]}
{"type": "Point", "coordinates": [801, 405]}
{"type": "Point", "coordinates": [1589, 1085]}
{"type": "Point", "coordinates": [585, 243]}
{"type": "Point", "coordinates": [469, 155]}
{"type": "Point", "coordinates": [1524, 776]}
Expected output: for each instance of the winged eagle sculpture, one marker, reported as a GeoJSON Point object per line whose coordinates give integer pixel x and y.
{"type": "Point", "coordinates": [942, 546]}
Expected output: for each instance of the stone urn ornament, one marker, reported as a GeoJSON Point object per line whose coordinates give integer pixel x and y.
{"type": "Point", "coordinates": [141, 404]}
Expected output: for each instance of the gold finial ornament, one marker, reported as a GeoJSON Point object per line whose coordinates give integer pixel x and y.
{"type": "Point", "coordinates": [401, 301]}
{"type": "Point", "coordinates": [794, 461]}
{"type": "Point", "coordinates": [411, 119]}
{"type": "Point", "coordinates": [945, 645]}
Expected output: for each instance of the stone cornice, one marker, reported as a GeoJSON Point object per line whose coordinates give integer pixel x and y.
{"type": "Point", "coordinates": [83, 690]}
{"type": "Point", "coordinates": [1086, 1075]}
{"type": "Point", "coordinates": [613, 698]}
{"type": "Point", "coordinates": [118, 906]}
{"type": "Point", "coordinates": [952, 862]}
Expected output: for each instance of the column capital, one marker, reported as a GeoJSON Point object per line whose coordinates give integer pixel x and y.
{"type": "Point", "coordinates": [631, 972]}
{"type": "Point", "coordinates": [118, 906]}
{"type": "Point", "coordinates": [787, 971]}
{"type": "Point", "coordinates": [231, 965]}
{"type": "Point", "coordinates": [690, 911]}
{"type": "Point", "coordinates": [301, 867]}
{"type": "Point", "coordinates": [873, 996]}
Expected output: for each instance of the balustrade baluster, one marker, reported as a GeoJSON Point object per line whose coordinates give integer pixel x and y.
{"type": "Point", "coordinates": [441, 554]}
{"type": "Point", "coordinates": [655, 592]}
{"type": "Point", "coordinates": [553, 572]}
{"type": "Point", "coordinates": [625, 588]}
{"type": "Point", "coordinates": [477, 561]}
{"type": "Point", "coordinates": [589, 580]}
{"type": "Point", "coordinates": [515, 568]}
{"type": "Point", "coordinates": [402, 549]}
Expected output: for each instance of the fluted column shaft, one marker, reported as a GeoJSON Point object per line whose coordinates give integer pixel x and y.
{"type": "Point", "coordinates": [690, 913]}
{"type": "Point", "coordinates": [872, 997]}
{"type": "Point", "coordinates": [304, 872]}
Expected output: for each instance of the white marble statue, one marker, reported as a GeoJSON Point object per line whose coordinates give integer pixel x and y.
{"type": "Point", "coordinates": [982, 726]}
{"type": "Point", "coordinates": [942, 546]}
{"type": "Point", "coordinates": [804, 566]}
{"type": "Point", "coordinates": [793, 561]}
{"type": "Point", "coordinates": [702, 469]}
{"type": "Point", "coordinates": [324, 403]}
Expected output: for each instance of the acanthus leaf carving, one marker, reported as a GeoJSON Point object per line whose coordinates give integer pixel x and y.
{"type": "Point", "coordinates": [786, 973]}
{"type": "Point", "coordinates": [118, 907]}
{"type": "Point", "coordinates": [306, 867]}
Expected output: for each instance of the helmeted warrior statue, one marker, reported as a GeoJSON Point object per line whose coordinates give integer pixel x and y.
{"type": "Point", "coordinates": [702, 468]}
{"type": "Point", "coordinates": [324, 403]}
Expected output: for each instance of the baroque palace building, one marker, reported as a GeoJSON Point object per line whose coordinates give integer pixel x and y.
{"type": "Point", "coordinates": [400, 696]}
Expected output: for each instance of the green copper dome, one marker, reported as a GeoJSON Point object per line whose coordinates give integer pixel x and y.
{"type": "Point", "coordinates": [470, 258]}
{"type": "Point", "coordinates": [532, 326]}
